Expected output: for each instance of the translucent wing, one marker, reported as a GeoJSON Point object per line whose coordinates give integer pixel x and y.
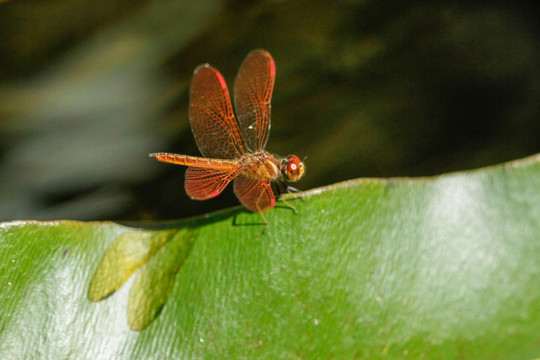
{"type": "Point", "coordinates": [255, 194]}
{"type": "Point", "coordinates": [252, 94]}
{"type": "Point", "coordinates": [202, 184]}
{"type": "Point", "coordinates": [211, 116]}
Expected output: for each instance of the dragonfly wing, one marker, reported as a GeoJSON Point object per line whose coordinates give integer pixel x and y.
{"type": "Point", "coordinates": [252, 95]}
{"type": "Point", "coordinates": [211, 116]}
{"type": "Point", "coordinates": [202, 184]}
{"type": "Point", "coordinates": [255, 194]}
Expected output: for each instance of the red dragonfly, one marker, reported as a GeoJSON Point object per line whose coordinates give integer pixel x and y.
{"type": "Point", "coordinates": [233, 147]}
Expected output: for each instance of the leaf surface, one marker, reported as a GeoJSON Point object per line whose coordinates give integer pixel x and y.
{"type": "Point", "coordinates": [429, 268]}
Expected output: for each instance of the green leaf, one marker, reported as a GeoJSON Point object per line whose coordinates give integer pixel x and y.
{"type": "Point", "coordinates": [430, 268]}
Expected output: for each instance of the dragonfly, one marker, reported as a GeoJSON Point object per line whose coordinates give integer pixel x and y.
{"type": "Point", "coordinates": [233, 147]}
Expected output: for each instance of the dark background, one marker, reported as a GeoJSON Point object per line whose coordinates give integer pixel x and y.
{"type": "Point", "coordinates": [363, 89]}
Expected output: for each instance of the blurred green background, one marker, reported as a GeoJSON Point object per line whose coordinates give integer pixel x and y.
{"type": "Point", "coordinates": [363, 89]}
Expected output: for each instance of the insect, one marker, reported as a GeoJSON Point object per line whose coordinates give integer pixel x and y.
{"type": "Point", "coordinates": [233, 147]}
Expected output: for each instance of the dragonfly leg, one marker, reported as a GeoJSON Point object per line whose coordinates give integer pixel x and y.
{"type": "Point", "coordinates": [264, 218]}
{"type": "Point", "coordinates": [288, 204]}
{"type": "Point", "coordinates": [291, 190]}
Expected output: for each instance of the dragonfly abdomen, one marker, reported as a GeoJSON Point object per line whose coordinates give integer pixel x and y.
{"type": "Point", "coordinates": [196, 161]}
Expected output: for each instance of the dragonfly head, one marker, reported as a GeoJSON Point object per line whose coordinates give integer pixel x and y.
{"type": "Point", "coordinates": [292, 168]}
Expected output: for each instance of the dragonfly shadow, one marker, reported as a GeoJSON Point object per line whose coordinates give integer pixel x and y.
{"type": "Point", "coordinates": [239, 220]}
{"type": "Point", "coordinates": [154, 254]}
{"type": "Point", "coordinates": [282, 205]}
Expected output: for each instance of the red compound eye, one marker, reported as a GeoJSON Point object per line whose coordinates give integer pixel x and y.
{"type": "Point", "coordinates": [292, 167]}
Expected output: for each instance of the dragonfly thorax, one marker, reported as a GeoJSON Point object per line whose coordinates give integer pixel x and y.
{"type": "Point", "coordinates": [261, 164]}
